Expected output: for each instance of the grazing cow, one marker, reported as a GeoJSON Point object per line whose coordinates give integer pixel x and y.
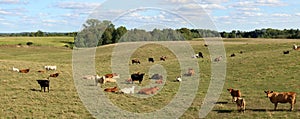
{"type": "Point", "coordinates": [286, 52]}
{"type": "Point", "coordinates": [24, 70]}
{"type": "Point", "coordinates": [205, 45]}
{"type": "Point", "coordinates": [163, 58]}
{"type": "Point", "coordinates": [148, 91]}
{"type": "Point", "coordinates": [100, 80]}
{"type": "Point", "coordinates": [128, 90]}
{"type": "Point", "coordinates": [151, 59]}
{"type": "Point", "coordinates": [218, 59]}
{"type": "Point", "coordinates": [241, 104]}
{"type": "Point", "coordinates": [200, 55]}
{"type": "Point", "coordinates": [44, 84]}
{"type": "Point", "coordinates": [295, 47]}
{"type": "Point", "coordinates": [156, 76]}
{"type": "Point", "coordinates": [232, 55]}
{"type": "Point", "coordinates": [241, 52]}
{"type": "Point", "coordinates": [50, 67]}
{"type": "Point", "coordinates": [113, 75]}
{"type": "Point", "coordinates": [195, 56]}
{"type": "Point", "coordinates": [234, 93]}
{"type": "Point", "coordinates": [178, 78]}
{"type": "Point", "coordinates": [282, 97]}
{"type": "Point", "coordinates": [54, 75]}
{"type": "Point", "coordinates": [15, 69]}
{"type": "Point", "coordinates": [137, 77]}
{"type": "Point", "coordinates": [135, 61]}
{"type": "Point", "coordinates": [114, 89]}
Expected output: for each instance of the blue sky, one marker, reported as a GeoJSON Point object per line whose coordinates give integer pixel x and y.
{"type": "Point", "coordinates": [221, 15]}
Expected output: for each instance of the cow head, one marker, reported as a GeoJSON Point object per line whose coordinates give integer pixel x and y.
{"type": "Point", "coordinates": [269, 93]}
{"type": "Point", "coordinates": [229, 89]}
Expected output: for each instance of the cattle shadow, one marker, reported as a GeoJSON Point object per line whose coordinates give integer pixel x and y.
{"type": "Point", "coordinates": [221, 102]}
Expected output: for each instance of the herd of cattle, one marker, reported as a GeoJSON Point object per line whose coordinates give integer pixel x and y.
{"type": "Point", "coordinates": [43, 83]}
{"type": "Point", "coordinates": [275, 97]}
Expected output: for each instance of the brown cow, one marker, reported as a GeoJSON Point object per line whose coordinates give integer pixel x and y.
{"type": "Point", "coordinates": [241, 104]}
{"type": "Point", "coordinates": [113, 75]}
{"type": "Point", "coordinates": [282, 97]}
{"type": "Point", "coordinates": [24, 70]}
{"type": "Point", "coordinates": [114, 89]}
{"type": "Point", "coordinates": [163, 58]}
{"type": "Point", "coordinates": [190, 72]}
{"type": "Point", "coordinates": [234, 93]}
{"type": "Point", "coordinates": [54, 75]}
{"type": "Point", "coordinates": [148, 91]}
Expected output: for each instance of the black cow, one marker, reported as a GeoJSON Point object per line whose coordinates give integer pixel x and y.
{"type": "Point", "coordinates": [151, 59]}
{"type": "Point", "coordinates": [232, 55]}
{"type": "Point", "coordinates": [135, 61]}
{"type": "Point", "coordinates": [286, 52]}
{"type": "Point", "coordinates": [44, 84]}
{"type": "Point", "coordinates": [137, 77]}
{"type": "Point", "coordinates": [163, 58]}
{"type": "Point", "coordinates": [200, 55]}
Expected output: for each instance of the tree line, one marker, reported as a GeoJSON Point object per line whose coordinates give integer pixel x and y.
{"type": "Point", "coordinates": [95, 33]}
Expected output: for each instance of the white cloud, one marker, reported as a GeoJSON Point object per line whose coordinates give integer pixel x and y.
{"type": "Point", "coordinates": [297, 14]}
{"type": "Point", "coordinates": [281, 15]}
{"type": "Point", "coordinates": [13, 2]}
{"type": "Point", "coordinates": [248, 9]}
{"type": "Point", "coordinates": [77, 5]}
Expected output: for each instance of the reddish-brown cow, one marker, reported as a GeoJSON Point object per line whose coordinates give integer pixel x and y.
{"type": "Point", "coordinates": [282, 97]}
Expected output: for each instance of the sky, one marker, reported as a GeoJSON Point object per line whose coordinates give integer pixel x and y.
{"type": "Point", "coordinates": [221, 15]}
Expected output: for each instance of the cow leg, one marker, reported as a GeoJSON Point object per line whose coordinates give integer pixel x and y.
{"type": "Point", "coordinates": [275, 104]}
{"type": "Point", "coordinates": [44, 89]}
{"type": "Point", "coordinates": [41, 88]}
{"type": "Point", "coordinates": [292, 107]}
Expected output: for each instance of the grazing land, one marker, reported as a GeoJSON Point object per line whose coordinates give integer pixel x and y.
{"type": "Point", "coordinates": [262, 66]}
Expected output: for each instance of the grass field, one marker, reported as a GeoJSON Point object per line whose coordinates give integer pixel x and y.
{"type": "Point", "coordinates": [261, 67]}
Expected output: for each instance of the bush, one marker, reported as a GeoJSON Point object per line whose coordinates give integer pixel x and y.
{"type": "Point", "coordinates": [29, 43]}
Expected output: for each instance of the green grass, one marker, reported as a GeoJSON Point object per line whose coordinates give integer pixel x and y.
{"type": "Point", "coordinates": [261, 67]}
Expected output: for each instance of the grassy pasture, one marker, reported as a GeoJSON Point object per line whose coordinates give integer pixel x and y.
{"type": "Point", "coordinates": [262, 66]}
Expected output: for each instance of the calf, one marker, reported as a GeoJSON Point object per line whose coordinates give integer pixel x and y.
{"type": "Point", "coordinates": [200, 55]}
{"type": "Point", "coordinates": [241, 104]}
{"type": "Point", "coordinates": [151, 59]}
{"type": "Point", "coordinates": [24, 70]}
{"type": "Point", "coordinates": [190, 72]}
{"type": "Point", "coordinates": [178, 78]}
{"type": "Point", "coordinates": [44, 84]}
{"type": "Point", "coordinates": [234, 93]}
{"type": "Point", "coordinates": [54, 75]}
{"type": "Point", "coordinates": [137, 77]}
{"type": "Point", "coordinates": [148, 91]}
{"type": "Point", "coordinates": [218, 59]}
{"type": "Point", "coordinates": [114, 89]}
{"type": "Point", "coordinates": [135, 61]}
{"type": "Point", "coordinates": [100, 80]}
{"type": "Point", "coordinates": [282, 97]}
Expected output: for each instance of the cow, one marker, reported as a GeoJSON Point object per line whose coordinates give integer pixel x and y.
{"type": "Point", "coordinates": [114, 89]}
{"type": "Point", "coordinates": [190, 72]}
{"type": "Point", "coordinates": [295, 47]}
{"type": "Point", "coordinates": [156, 76]}
{"type": "Point", "coordinates": [113, 75]}
{"type": "Point", "coordinates": [151, 59]}
{"type": "Point", "coordinates": [286, 52]}
{"type": "Point", "coordinates": [163, 58]}
{"type": "Point", "coordinates": [232, 55]}
{"type": "Point", "coordinates": [15, 69]}
{"type": "Point", "coordinates": [54, 75]}
{"type": "Point", "coordinates": [200, 55]}
{"type": "Point", "coordinates": [24, 70]}
{"type": "Point", "coordinates": [128, 90]}
{"type": "Point", "coordinates": [282, 97]}
{"type": "Point", "coordinates": [148, 91]}
{"type": "Point", "coordinates": [44, 84]}
{"type": "Point", "coordinates": [218, 59]}
{"type": "Point", "coordinates": [135, 61]}
{"type": "Point", "coordinates": [41, 71]}
{"type": "Point", "coordinates": [50, 67]}
{"type": "Point", "coordinates": [137, 77]}
{"type": "Point", "coordinates": [234, 93]}
{"type": "Point", "coordinates": [241, 104]}
{"type": "Point", "coordinates": [100, 80]}
{"type": "Point", "coordinates": [160, 81]}
{"type": "Point", "coordinates": [178, 78]}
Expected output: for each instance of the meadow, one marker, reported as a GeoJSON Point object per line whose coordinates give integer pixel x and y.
{"type": "Point", "coordinates": [261, 66]}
